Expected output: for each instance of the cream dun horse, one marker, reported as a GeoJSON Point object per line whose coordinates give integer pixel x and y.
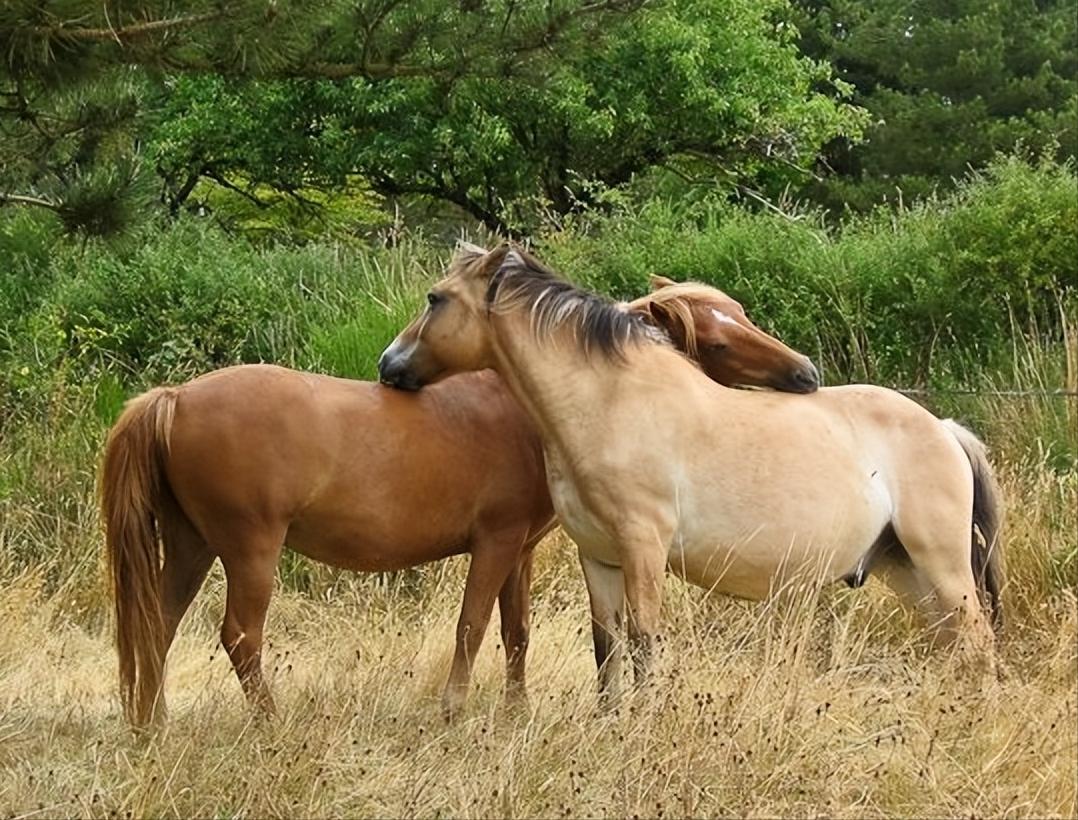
{"type": "Point", "coordinates": [652, 465]}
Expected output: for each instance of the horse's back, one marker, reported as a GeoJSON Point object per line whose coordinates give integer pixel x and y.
{"type": "Point", "coordinates": [913, 439]}
{"type": "Point", "coordinates": [360, 474]}
{"type": "Point", "coordinates": [250, 436]}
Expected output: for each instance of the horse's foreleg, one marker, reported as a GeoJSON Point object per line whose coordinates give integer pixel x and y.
{"type": "Point", "coordinates": [606, 594]}
{"type": "Point", "coordinates": [250, 572]}
{"type": "Point", "coordinates": [644, 564]}
{"type": "Point", "coordinates": [493, 559]}
{"type": "Point", "coordinates": [514, 602]}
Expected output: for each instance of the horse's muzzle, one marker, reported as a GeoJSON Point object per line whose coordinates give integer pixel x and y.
{"type": "Point", "coordinates": [394, 373]}
{"type": "Point", "coordinates": [805, 379]}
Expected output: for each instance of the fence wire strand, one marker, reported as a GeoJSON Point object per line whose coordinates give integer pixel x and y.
{"type": "Point", "coordinates": [922, 391]}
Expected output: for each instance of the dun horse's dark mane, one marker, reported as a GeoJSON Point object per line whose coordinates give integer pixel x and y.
{"type": "Point", "coordinates": [598, 325]}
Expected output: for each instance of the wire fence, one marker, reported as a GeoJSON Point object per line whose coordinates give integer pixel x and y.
{"type": "Point", "coordinates": [926, 391]}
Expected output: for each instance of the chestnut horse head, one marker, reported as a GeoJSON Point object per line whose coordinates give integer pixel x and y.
{"type": "Point", "coordinates": [712, 328]}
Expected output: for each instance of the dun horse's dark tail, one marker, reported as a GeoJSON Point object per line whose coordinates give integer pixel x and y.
{"type": "Point", "coordinates": [132, 482]}
{"type": "Point", "coordinates": [986, 553]}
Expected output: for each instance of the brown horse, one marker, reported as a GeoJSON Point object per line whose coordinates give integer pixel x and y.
{"type": "Point", "coordinates": [236, 463]}
{"type": "Point", "coordinates": [653, 466]}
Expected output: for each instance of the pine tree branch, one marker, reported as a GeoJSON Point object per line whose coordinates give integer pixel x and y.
{"type": "Point", "coordinates": [128, 32]}
{"type": "Point", "coordinates": [556, 25]}
{"type": "Point", "coordinates": [372, 71]}
{"type": "Point", "coordinates": [388, 67]}
{"type": "Point", "coordinates": [19, 199]}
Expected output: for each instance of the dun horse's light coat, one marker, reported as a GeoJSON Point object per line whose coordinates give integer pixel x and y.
{"type": "Point", "coordinates": [357, 475]}
{"type": "Point", "coordinates": [650, 464]}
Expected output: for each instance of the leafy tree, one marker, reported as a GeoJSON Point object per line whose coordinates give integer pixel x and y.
{"type": "Point", "coordinates": [81, 82]}
{"type": "Point", "coordinates": [718, 84]}
{"type": "Point", "coordinates": [948, 85]}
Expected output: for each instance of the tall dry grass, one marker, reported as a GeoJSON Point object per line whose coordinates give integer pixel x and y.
{"type": "Point", "coordinates": [825, 702]}
{"type": "Point", "coordinates": [820, 704]}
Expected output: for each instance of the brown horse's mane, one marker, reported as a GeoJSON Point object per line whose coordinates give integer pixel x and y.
{"type": "Point", "coordinates": [675, 299]}
{"type": "Point", "coordinates": [598, 324]}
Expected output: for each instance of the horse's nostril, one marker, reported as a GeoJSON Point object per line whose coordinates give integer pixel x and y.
{"type": "Point", "coordinates": [804, 380]}
{"type": "Point", "coordinates": [387, 374]}
{"type": "Point", "coordinates": [393, 373]}
{"type": "Point", "coordinates": [810, 377]}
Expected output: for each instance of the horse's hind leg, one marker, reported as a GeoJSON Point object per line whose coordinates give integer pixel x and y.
{"type": "Point", "coordinates": [941, 575]}
{"type": "Point", "coordinates": [250, 570]}
{"type": "Point", "coordinates": [514, 602]}
{"type": "Point", "coordinates": [187, 560]}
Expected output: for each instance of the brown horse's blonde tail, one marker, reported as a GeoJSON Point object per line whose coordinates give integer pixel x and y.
{"type": "Point", "coordinates": [986, 553]}
{"type": "Point", "coordinates": [132, 481]}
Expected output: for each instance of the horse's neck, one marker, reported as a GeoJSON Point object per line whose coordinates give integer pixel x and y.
{"type": "Point", "coordinates": [558, 388]}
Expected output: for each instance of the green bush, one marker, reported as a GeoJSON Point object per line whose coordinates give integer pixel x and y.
{"type": "Point", "coordinates": [926, 293]}
{"type": "Point", "coordinates": [931, 294]}
{"type": "Point", "coordinates": [189, 298]}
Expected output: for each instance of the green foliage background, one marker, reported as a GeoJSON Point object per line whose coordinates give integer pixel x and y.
{"type": "Point", "coordinates": [931, 294]}
{"type": "Point", "coordinates": [946, 85]}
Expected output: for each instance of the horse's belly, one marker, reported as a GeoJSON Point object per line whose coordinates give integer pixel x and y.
{"type": "Point", "coordinates": [725, 569]}
{"type": "Point", "coordinates": [749, 558]}
{"type": "Point", "coordinates": [362, 546]}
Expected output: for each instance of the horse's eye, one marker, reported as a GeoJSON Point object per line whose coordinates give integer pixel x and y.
{"type": "Point", "coordinates": [433, 299]}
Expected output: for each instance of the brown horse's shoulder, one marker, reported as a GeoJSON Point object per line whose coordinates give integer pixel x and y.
{"type": "Point", "coordinates": [482, 394]}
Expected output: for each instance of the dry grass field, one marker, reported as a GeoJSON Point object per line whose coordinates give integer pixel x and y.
{"type": "Point", "coordinates": [823, 704]}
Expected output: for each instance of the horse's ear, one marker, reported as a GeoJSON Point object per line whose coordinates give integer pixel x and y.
{"type": "Point", "coordinates": [511, 257]}
{"type": "Point", "coordinates": [486, 263]}
{"type": "Point", "coordinates": [661, 315]}
{"type": "Point", "coordinates": [653, 313]}
{"type": "Point", "coordinates": [658, 282]}
{"type": "Point", "coordinates": [468, 249]}
{"type": "Point", "coordinates": [494, 268]}
{"type": "Point", "coordinates": [675, 317]}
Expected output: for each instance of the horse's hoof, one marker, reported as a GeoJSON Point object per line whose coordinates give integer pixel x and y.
{"type": "Point", "coordinates": [516, 704]}
{"type": "Point", "coordinates": [451, 711]}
